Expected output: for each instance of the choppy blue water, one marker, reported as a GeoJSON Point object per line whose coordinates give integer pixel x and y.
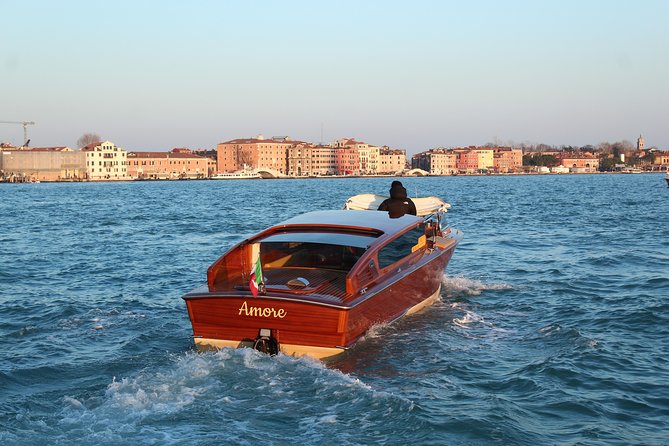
{"type": "Point", "coordinates": [553, 324]}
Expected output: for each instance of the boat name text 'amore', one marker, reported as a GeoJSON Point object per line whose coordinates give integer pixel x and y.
{"type": "Point", "coordinates": [261, 312]}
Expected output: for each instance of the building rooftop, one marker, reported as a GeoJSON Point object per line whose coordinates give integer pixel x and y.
{"type": "Point", "coordinates": [51, 149]}
{"type": "Point", "coordinates": [163, 155]}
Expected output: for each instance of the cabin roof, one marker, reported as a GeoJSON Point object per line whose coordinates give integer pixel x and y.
{"type": "Point", "coordinates": [323, 238]}
{"type": "Point", "coordinates": [376, 220]}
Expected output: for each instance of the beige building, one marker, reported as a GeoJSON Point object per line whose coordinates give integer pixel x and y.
{"type": "Point", "coordinates": [324, 160]}
{"type": "Point", "coordinates": [211, 159]}
{"type": "Point", "coordinates": [369, 159]}
{"type": "Point", "coordinates": [43, 164]}
{"type": "Point", "coordinates": [436, 161]}
{"type": "Point", "coordinates": [300, 160]}
{"type": "Point", "coordinates": [177, 164]}
{"type": "Point", "coordinates": [391, 161]}
{"type": "Point", "coordinates": [308, 160]}
{"type": "Point", "coordinates": [485, 158]}
{"type": "Point", "coordinates": [661, 158]}
{"type": "Point", "coordinates": [508, 160]}
{"type": "Point", "coordinates": [105, 161]}
{"type": "Point", "coordinates": [443, 163]}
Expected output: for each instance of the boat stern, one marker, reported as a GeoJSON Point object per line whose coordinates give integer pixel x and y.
{"type": "Point", "coordinates": [269, 324]}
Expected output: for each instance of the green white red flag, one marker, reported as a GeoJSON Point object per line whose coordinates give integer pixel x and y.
{"type": "Point", "coordinates": [256, 278]}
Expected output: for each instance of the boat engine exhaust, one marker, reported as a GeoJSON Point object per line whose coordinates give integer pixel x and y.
{"type": "Point", "coordinates": [265, 343]}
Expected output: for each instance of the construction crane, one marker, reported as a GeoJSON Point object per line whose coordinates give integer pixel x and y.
{"type": "Point", "coordinates": [25, 125]}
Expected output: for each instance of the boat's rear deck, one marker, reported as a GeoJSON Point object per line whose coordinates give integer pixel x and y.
{"type": "Point", "coordinates": [323, 284]}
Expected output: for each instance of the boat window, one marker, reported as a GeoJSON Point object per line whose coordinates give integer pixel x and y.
{"type": "Point", "coordinates": [400, 247]}
{"type": "Point", "coordinates": [309, 255]}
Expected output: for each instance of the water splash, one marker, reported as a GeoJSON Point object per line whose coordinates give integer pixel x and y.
{"type": "Point", "coordinates": [468, 318]}
{"type": "Point", "coordinates": [462, 286]}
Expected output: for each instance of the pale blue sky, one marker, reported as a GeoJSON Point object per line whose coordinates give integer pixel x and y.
{"type": "Point", "coordinates": [152, 75]}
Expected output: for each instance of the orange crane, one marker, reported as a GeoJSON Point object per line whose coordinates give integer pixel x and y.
{"type": "Point", "coordinates": [25, 125]}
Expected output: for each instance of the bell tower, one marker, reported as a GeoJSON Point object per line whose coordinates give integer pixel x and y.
{"type": "Point", "coordinates": [640, 143]}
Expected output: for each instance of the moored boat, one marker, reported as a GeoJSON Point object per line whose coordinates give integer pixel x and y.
{"type": "Point", "coordinates": [315, 284]}
{"type": "Point", "coordinates": [245, 174]}
{"type": "Point", "coordinates": [236, 176]}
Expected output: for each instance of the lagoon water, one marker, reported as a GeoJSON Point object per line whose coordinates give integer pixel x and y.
{"type": "Point", "coordinates": [552, 328]}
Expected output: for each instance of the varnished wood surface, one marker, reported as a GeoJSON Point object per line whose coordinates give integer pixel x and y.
{"type": "Point", "coordinates": [218, 317]}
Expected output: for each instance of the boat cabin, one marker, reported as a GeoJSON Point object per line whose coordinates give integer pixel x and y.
{"type": "Point", "coordinates": [332, 256]}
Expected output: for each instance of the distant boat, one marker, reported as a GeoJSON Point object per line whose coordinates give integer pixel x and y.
{"type": "Point", "coordinates": [245, 174]}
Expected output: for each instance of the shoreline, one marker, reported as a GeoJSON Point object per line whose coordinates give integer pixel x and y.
{"type": "Point", "coordinates": [333, 177]}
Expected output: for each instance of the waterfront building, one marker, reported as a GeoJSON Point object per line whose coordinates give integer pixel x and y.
{"type": "Point", "coordinates": [436, 161]}
{"type": "Point", "coordinates": [301, 160]}
{"type": "Point", "coordinates": [348, 156]}
{"type": "Point", "coordinates": [507, 160]}
{"type": "Point", "coordinates": [211, 156]}
{"type": "Point", "coordinates": [42, 163]}
{"type": "Point", "coordinates": [442, 161]}
{"type": "Point", "coordinates": [348, 161]}
{"type": "Point", "coordinates": [420, 161]}
{"type": "Point", "coordinates": [467, 160]}
{"type": "Point", "coordinates": [105, 161]}
{"type": "Point", "coordinates": [254, 153]}
{"type": "Point", "coordinates": [578, 162]}
{"type": "Point", "coordinates": [484, 157]}
{"type": "Point", "coordinates": [661, 158]}
{"type": "Point", "coordinates": [324, 160]}
{"type": "Point", "coordinates": [392, 161]}
{"type": "Point", "coordinates": [180, 163]}
{"type": "Point", "coordinates": [369, 159]}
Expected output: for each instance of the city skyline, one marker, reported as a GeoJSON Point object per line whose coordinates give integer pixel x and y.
{"type": "Point", "coordinates": [155, 75]}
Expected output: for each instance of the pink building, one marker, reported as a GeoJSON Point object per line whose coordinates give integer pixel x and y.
{"type": "Point", "coordinates": [347, 160]}
{"type": "Point", "coordinates": [468, 160]}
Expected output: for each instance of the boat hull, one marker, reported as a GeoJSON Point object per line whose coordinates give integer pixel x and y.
{"type": "Point", "coordinates": [319, 329]}
{"type": "Point", "coordinates": [300, 349]}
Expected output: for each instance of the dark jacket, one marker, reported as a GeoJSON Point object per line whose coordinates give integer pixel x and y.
{"type": "Point", "coordinates": [398, 204]}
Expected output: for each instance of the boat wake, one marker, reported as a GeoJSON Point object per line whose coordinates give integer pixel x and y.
{"type": "Point", "coordinates": [219, 384]}
{"type": "Point", "coordinates": [457, 286]}
{"type": "Point", "coordinates": [468, 318]}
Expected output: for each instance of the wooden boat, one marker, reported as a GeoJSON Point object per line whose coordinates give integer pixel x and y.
{"type": "Point", "coordinates": [324, 279]}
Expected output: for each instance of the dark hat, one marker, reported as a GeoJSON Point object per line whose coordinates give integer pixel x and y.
{"type": "Point", "coordinates": [395, 183]}
{"type": "Point", "coordinates": [397, 190]}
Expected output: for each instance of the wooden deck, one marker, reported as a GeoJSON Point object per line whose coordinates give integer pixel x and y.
{"type": "Point", "coordinates": [328, 285]}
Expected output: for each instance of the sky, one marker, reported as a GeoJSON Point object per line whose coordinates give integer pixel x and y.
{"type": "Point", "coordinates": [413, 75]}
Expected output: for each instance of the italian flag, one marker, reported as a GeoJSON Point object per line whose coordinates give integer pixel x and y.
{"type": "Point", "coordinates": [256, 278]}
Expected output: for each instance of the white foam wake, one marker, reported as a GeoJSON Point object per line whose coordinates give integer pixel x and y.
{"type": "Point", "coordinates": [463, 286]}
{"type": "Point", "coordinates": [468, 318]}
